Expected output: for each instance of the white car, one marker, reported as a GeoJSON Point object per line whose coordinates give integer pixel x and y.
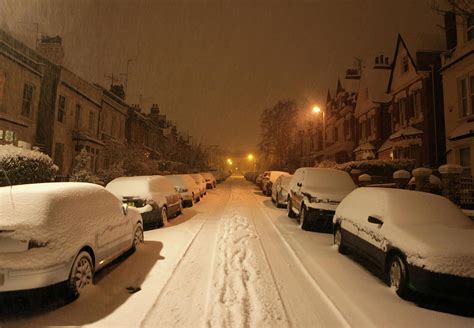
{"type": "Point", "coordinates": [314, 195]}
{"type": "Point", "coordinates": [269, 180]}
{"type": "Point", "coordinates": [187, 188]}
{"type": "Point", "coordinates": [201, 182]}
{"type": "Point", "coordinates": [61, 233]}
{"type": "Point", "coordinates": [421, 241]}
{"type": "Point", "coordinates": [280, 190]}
{"type": "Point", "coordinates": [210, 180]}
{"type": "Point", "coordinates": [154, 197]}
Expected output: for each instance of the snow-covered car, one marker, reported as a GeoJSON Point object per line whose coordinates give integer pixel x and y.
{"type": "Point", "coordinates": [187, 188]}
{"type": "Point", "coordinates": [260, 178]}
{"type": "Point", "coordinates": [201, 182]}
{"type": "Point", "coordinates": [61, 233]}
{"type": "Point", "coordinates": [210, 180]}
{"type": "Point", "coordinates": [314, 195]}
{"type": "Point", "coordinates": [421, 241]}
{"type": "Point", "coordinates": [153, 196]}
{"type": "Point", "coordinates": [280, 190]}
{"type": "Point", "coordinates": [269, 180]}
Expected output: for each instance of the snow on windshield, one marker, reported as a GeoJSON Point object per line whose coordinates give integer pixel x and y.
{"type": "Point", "coordinates": [130, 186]}
{"type": "Point", "coordinates": [328, 179]}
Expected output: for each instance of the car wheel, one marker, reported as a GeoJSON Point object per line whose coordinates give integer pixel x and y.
{"type": "Point", "coordinates": [164, 215]}
{"type": "Point", "coordinates": [338, 241]}
{"type": "Point", "coordinates": [303, 219]}
{"type": "Point", "coordinates": [137, 237]}
{"type": "Point", "coordinates": [397, 276]}
{"type": "Point", "coordinates": [82, 273]}
{"type": "Point", "coordinates": [289, 209]}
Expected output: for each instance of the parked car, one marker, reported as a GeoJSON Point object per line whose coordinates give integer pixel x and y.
{"type": "Point", "coordinates": [61, 233]}
{"type": "Point", "coordinates": [269, 180]}
{"type": "Point", "coordinates": [259, 179]}
{"type": "Point", "coordinates": [210, 180]}
{"type": "Point", "coordinates": [187, 188]}
{"type": "Point", "coordinates": [201, 182]}
{"type": "Point", "coordinates": [153, 196]}
{"type": "Point", "coordinates": [421, 241]}
{"type": "Point", "coordinates": [280, 190]}
{"type": "Point", "coordinates": [314, 195]}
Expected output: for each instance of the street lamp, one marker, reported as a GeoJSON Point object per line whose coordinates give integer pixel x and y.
{"type": "Point", "coordinates": [251, 158]}
{"type": "Point", "coordinates": [316, 110]}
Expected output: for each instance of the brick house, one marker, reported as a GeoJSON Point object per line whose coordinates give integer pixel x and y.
{"type": "Point", "coordinates": [416, 110]}
{"type": "Point", "coordinates": [371, 114]}
{"type": "Point", "coordinates": [458, 90]}
{"type": "Point", "coordinates": [339, 119]}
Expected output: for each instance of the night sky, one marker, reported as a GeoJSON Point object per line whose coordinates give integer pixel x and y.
{"type": "Point", "coordinates": [212, 66]}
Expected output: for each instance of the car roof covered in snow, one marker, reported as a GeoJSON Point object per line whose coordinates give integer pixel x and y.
{"type": "Point", "coordinates": [275, 174]}
{"type": "Point", "coordinates": [138, 186]}
{"type": "Point", "coordinates": [403, 207]}
{"type": "Point", "coordinates": [328, 179]}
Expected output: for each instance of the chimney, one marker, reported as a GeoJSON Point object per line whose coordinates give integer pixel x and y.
{"type": "Point", "coordinates": [352, 74]}
{"type": "Point", "coordinates": [52, 49]}
{"type": "Point", "coordinates": [117, 89]}
{"type": "Point", "coordinates": [155, 112]}
{"type": "Point", "coordinates": [381, 62]}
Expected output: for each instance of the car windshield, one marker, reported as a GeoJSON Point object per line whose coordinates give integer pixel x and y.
{"type": "Point", "coordinates": [130, 186]}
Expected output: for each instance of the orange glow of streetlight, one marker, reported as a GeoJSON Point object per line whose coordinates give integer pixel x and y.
{"type": "Point", "coordinates": [316, 109]}
{"type": "Point", "coordinates": [250, 157]}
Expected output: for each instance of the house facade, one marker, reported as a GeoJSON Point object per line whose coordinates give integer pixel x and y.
{"type": "Point", "coordinates": [458, 91]}
{"type": "Point", "coordinates": [21, 74]}
{"type": "Point", "coordinates": [371, 111]}
{"type": "Point", "coordinates": [416, 115]}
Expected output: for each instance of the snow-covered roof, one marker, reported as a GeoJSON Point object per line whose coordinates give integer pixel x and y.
{"type": "Point", "coordinates": [464, 130]}
{"type": "Point", "coordinates": [406, 132]}
{"type": "Point", "coordinates": [351, 85]}
{"type": "Point", "coordinates": [138, 186]}
{"type": "Point", "coordinates": [365, 146]}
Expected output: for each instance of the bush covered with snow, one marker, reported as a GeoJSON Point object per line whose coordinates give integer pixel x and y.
{"type": "Point", "coordinates": [24, 166]}
{"type": "Point", "coordinates": [376, 167]}
{"type": "Point", "coordinates": [82, 170]}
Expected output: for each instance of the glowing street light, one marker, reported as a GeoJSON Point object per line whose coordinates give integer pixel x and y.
{"type": "Point", "coordinates": [250, 157]}
{"type": "Point", "coordinates": [316, 109]}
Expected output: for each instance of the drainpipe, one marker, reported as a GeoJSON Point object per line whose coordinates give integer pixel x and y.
{"type": "Point", "coordinates": [435, 112]}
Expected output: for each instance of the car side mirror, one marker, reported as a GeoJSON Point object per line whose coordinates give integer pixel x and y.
{"type": "Point", "coordinates": [299, 184]}
{"type": "Point", "coordinates": [125, 209]}
{"type": "Point", "coordinates": [373, 219]}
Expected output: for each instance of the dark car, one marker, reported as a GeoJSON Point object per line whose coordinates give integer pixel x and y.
{"type": "Point", "coordinates": [420, 241]}
{"type": "Point", "coordinates": [314, 195]}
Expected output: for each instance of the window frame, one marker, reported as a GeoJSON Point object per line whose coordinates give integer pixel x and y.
{"type": "Point", "coordinates": [61, 109]}
{"type": "Point", "coordinates": [28, 102]}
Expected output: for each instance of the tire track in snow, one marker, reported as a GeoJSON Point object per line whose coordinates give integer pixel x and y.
{"type": "Point", "coordinates": [242, 293]}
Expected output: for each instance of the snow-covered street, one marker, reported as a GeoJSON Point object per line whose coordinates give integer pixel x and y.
{"type": "Point", "coordinates": [235, 260]}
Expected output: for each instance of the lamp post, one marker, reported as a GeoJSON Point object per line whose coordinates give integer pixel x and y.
{"type": "Point", "coordinates": [317, 110]}
{"type": "Point", "coordinates": [251, 158]}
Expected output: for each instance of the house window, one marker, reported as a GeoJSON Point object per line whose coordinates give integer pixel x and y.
{"type": "Point", "coordinates": [58, 155]}
{"type": "Point", "coordinates": [470, 28]}
{"type": "Point", "coordinates": [401, 111]}
{"type": "Point", "coordinates": [466, 95]}
{"type": "Point", "coordinates": [77, 116]}
{"type": "Point", "coordinates": [62, 109]}
{"type": "Point", "coordinates": [336, 134]}
{"type": "Point", "coordinates": [112, 127]}
{"type": "Point", "coordinates": [405, 65]}
{"type": "Point", "coordinates": [417, 104]}
{"type": "Point", "coordinates": [465, 160]}
{"type": "Point", "coordinates": [372, 125]}
{"type": "Point", "coordinates": [27, 102]}
{"type": "Point", "coordinates": [91, 122]}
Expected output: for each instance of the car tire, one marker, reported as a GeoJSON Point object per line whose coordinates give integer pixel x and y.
{"type": "Point", "coordinates": [397, 275]}
{"type": "Point", "coordinates": [339, 242]}
{"type": "Point", "coordinates": [82, 273]}
{"type": "Point", "coordinates": [164, 216]}
{"type": "Point", "coordinates": [303, 219]}
{"type": "Point", "coordinates": [289, 208]}
{"type": "Point", "coordinates": [137, 237]}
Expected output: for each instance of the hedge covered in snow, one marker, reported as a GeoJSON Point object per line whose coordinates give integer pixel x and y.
{"type": "Point", "coordinates": [26, 166]}
{"type": "Point", "coordinates": [375, 167]}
